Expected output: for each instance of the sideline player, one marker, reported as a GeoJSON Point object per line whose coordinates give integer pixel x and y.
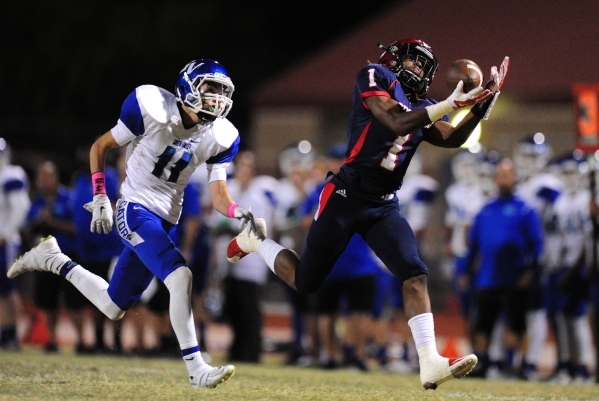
{"type": "Point", "coordinates": [168, 136]}
{"type": "Point", "coordinates": [391, 116]}
{"type": "Point", "coordinates": [14, 204]}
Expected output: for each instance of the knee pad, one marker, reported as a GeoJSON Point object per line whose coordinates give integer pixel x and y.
{"type": "Point", "coordinates": [179, 278]}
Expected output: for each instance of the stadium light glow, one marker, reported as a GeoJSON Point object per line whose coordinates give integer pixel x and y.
{"type": "Point", "coordinates": [304, 147]}
{"type": "Point", "coordinates": [474, 138]}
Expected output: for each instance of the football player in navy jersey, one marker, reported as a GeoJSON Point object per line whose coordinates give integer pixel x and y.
{"type": "Point", "coordinates": [167, 136]}
{"type": "Point", "coordinates": [391, 116]}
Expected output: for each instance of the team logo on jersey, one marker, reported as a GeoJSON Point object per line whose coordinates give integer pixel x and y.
{"type": "Point", "coordinates": [341, 192]}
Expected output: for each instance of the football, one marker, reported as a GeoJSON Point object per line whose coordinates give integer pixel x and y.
{"type": "Point", "coordinates": [464, 70]}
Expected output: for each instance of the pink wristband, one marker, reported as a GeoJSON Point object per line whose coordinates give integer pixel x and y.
{"type": "Point", "coordinates": [98, 183]}
{"type": "Point", "coordinates": [231, 210]}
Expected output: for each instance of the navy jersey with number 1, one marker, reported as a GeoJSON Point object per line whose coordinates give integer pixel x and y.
{"type": "Point", "coordinates": [361, 198]}
{"type": "Point", "coordinates": [377, 158]}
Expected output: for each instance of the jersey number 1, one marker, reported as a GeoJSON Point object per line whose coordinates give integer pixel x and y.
{"type": "Point", "coordinates": [390, 161]}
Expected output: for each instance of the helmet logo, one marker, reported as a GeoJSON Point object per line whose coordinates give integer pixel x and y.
{"type": "Point", "coordinates": [190, 67]}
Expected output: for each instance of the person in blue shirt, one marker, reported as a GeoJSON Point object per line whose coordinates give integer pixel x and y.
{"type": "Point", "coordinates": [507, 239]}
{"type": "Point", "coordinates": [51, 212]}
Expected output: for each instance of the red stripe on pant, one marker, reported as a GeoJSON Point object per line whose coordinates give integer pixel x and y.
{"type": "Point", "coordinates": [326, 193]}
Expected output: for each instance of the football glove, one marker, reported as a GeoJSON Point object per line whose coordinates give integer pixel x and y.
{"type": "Point", "coordinates": [499, 76]}
{"type": "Point", "coordinates": [101, 211]}
{"type": "Point", "coordinates": [245, 216]}
{"type": "Point", "coordinates": [459, 99]}
{"type": "Point", "coordinates": [483, 109]}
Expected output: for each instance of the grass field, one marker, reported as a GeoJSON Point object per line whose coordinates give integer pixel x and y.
{"type": "Point", "coordinates": [33, 375]}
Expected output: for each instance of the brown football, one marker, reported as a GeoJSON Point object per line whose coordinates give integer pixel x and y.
{"type": "Point", "coordinates": [464, 70]}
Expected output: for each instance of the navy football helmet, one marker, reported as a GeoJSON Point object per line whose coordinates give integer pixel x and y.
{"type": "Point", "coordinates": [413, 84]}
{"type": "Point", "coordinates": [205, 87]}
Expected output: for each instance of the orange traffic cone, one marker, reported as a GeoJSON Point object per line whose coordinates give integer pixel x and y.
{"type": "Point", "coordinates": [38, 331]}
{"type": "Point", "coordinates": [451, 348]}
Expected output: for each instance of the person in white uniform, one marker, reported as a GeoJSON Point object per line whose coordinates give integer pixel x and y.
{"type": "Point", "coordinates": [168, 136]}
{"type": "Point", "coordinates": [14, 205]}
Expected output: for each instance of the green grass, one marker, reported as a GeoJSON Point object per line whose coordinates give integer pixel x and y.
{"type": "Point", "coordinates": [33, 375]}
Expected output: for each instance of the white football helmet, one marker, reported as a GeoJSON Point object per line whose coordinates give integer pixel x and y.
{"type": "Point", "coordinates": [465, 166]}
{"type": "Point", "coordinates": [572, 169]}
{"type": "Point", "coordinates": [294, 157]}
{"type": "Point", "coordinates": [205, 87]}
{"type": "Point", "coordinates": [531, 156]}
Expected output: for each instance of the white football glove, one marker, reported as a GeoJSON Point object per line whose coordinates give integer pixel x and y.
{"type": "Point", "coordinates": [499, 76]}
{"type": "Point", "coordinates": [101, 210]}
{"type": "Point", "coordinates": [459, 99]}
{"type": "Point", "coordinates": [245, 216]}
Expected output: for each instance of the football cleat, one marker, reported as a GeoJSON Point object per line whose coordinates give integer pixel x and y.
{"type": "Point", "coordinates": [46, 256]}
{"type": "Point", "coordinates": [212, 377]}
{"type": "Point", "coordinates": [438, 371]}
{"type": "Point", "coordinates": [247, 241]}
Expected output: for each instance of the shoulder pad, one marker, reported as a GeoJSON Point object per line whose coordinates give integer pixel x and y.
{"type": "Point", "coordinates": [225, 132]}
{"type": "Point", "coordinates": [155, 101]}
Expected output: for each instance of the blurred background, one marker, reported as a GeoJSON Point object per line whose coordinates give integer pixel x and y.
{"type": "Point", "coordinates": [67, 66]}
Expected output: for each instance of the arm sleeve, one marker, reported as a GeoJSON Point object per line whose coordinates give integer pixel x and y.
{"type": "Point", "coordinates": [217, 172]}
{"type": "Point", "coordinates": [217, 164]}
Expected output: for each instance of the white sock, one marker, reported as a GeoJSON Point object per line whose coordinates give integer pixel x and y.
{"type": "Point", "coordinates": [269, 251]}
{"type": "Point", "coordinates": [195, 362]}
{"type": "Point", "coordinates": [536, 327]}
{"type": "Point", "coordinates": [583, 337]}
{"type": "Point", "coordinates": [496, 349]}
{"type": "Point", "coordinates": [94, 288]}
{"type": "Point", "coordinates": [423, 331]}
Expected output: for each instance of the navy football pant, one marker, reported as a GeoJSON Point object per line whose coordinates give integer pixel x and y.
{"type": "Point", "coordinates": [342, 213]}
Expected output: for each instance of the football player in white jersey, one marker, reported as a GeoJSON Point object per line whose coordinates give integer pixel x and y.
{"type": "Point", "coordinates": [464, 198]}
{"type": "Point", "coordinates": [14, 205]}
{"type": "Point", "coordinates": [540, 189]}
{"type": "Point", "coordinates": [168, 136]}
{"type": "Point", "coordinates": [567, 289]}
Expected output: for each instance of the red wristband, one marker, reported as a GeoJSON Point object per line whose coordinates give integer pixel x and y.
{"type": "Point", "coordinates": [99, 183]}
{"type": "Point", "coordinates": [231, 210]}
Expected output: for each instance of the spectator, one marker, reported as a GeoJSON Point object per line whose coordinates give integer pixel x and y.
{"type": "Point", "coordinates": [507, 237]}
{"type": "Point", "coordinates": [51, 213]}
